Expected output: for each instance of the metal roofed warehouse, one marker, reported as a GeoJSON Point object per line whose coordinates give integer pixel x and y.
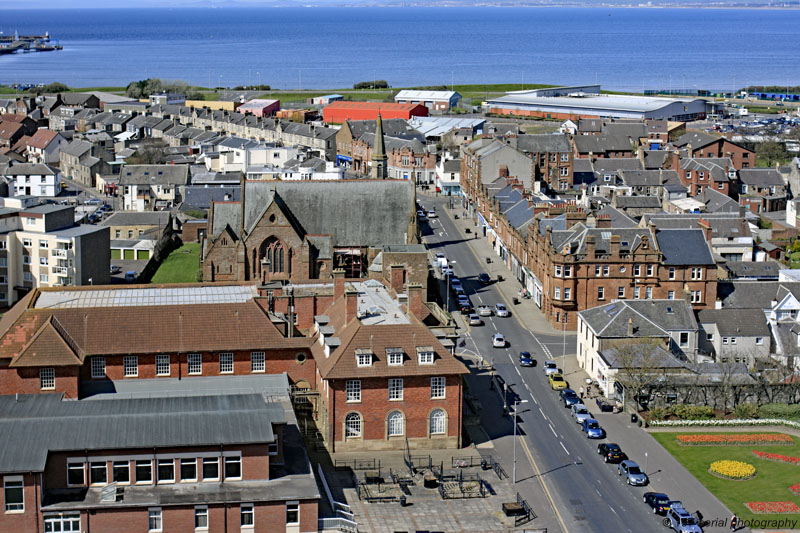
{"type": "Point", "coordinates": [591, 104]}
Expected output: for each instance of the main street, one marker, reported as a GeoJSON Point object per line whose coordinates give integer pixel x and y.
{"type": "Point", "coordinates": [586, 494]}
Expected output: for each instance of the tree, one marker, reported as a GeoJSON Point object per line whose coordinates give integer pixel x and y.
{"type": "Point", "coordinates": [376, 84]}
{"type": "Point", "coordinates": [55, 87]}
{"type": "Point", "coordinates": [640, 366]}
{"type": "Point", "coordinates": [771, 152]}
{"type": "Point", "coordinates": [152, 155]}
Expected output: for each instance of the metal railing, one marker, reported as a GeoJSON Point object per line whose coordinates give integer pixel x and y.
{"type": "Point", "coordinates": [338, 524]}
{"type": "Point", "coordinates": [58, 252]}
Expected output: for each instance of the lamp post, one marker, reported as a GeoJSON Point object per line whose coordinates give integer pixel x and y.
{"type": "Point", "coordinates": [514, 468]}
{"type": "Point", "coordinates": [564, 349]}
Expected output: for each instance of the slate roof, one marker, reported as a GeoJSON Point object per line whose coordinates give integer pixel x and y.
{"type": "Point", "coordinates": [736, 322]}
{"type": "Point", "coordinates": [77, 148]}
{"type": "Point", "coordinates": [638, 202]}
{"type": "Point", "coordinates": [599, 144]}
{"type": "Point", "coordinates": [657, 357]}
{"type": "Point", "coordinates": [392, 127]}
{"type": "Point", "coordinates": [575, 238]}
{"type": "Point", "coordinates": [543, 143]}
{"type": "Point", "coordinates": [761, 177]}
{"type": "Point", "coordinates": [618, 218]}
{"type": "Point", "coordinates": [654, 159]}
{"type": "Point", "coordinates": [616, 164]}
{"type": "Point", "coordinates": [32, 426]}
{"type": "Point", "coordinates": [723, 225]}
{"type": "Point", "coordinates": [697, 139]}
{"type": "Point", "coordinates": [717, 167]}
{"type": "Point", "coordinates": [684, 247]}
{"type": "Point", "coordinates": [650, 318]}
{"type": "Point", "coordinates": [716, 202]}
{"type": "Point", "coordinates": [154, 175]}
{"type": "Point", "coordinates": [136, 218]}
{"type": "Point", "coordinates": [452, 165]}
{"type": "Point", "coordinates": [631, 130]}
{"type": "Point", "coordinates": [29, 169]}
{"type": "Point", "coordinates": [325, 208]}
{"type": "Point", "coordinates": [753, 294]}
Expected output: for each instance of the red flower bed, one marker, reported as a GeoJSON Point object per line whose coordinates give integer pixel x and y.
{"type": "Point", "coordinates": [777, 457]}
{"type": "Point", "coordinates": [773, 507]}
{"type": "Point", "coordinates": [795, 489]}
{"type": "Point", "coordinates": [736, 439]}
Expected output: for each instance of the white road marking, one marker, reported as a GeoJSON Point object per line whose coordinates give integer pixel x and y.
{"type": "Point", "coordinates": [535, 400]}
{"type": "Point", "coordinates": [479, 299]}
{"type": "Point", "coordinates": [565, 448]}
{"type": "Point", "coordinates": [598, 493]}
{"type": "Point", "coordinates": [543, 415]}
{"type": "Point", "coordinates": [518, 373]}
{"type": "Point", "coordinates": [495, 327]}
{"type": "Point", "coordinates": [528, 388]}
{"type": "Point", "coordinates": [553, 430]}
{"type": "Point", "coordinates": [613, 510]}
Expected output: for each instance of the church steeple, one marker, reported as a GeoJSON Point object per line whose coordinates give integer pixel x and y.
{"type": "Point", "coordinates": [379, 159]}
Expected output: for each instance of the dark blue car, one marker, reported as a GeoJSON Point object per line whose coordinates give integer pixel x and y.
{"type": "Point", "coordinates": [569, 397]}
{"type": "Point", "coordinates": [525, 359]}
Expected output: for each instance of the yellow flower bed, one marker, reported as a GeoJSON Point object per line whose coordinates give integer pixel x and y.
{"type": "Point", "coordinates": [732, 469]}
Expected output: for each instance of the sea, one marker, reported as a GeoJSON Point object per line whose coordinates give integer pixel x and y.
{"type": "Point", "coordinates": [626, 49]}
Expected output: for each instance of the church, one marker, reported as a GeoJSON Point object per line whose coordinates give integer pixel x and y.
{"type": "Point", "coordinates": [303, 230]}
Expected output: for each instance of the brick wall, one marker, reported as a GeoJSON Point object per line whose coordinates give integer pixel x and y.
{"type": "Point", "coordinates": [26, 380]}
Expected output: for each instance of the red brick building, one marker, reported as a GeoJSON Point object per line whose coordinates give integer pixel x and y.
{"type": "Point", "coordinates": [339, 112]}
{"type": "Point", "coordinates": [177, 464]}
{"type": "Point", "coordinates": [700, 144]}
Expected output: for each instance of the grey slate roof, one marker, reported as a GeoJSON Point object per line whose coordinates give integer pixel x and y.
{"type": "Point", "coordinates": [761, 177]}
{"type": "Point", "coordinates": [631, 130]}
{"type": "Point", "coordinates": [616, 164]}
{"type": "Point", "coordinates": [638, 202]}
{"type": "Point", "coordinates": [602, 143]}
{"type": "Point", "coordinates": [657, 357]}
{"type": "Point", "coordinates": [650, 318]}
{"type": "Point", "coordinates": [392, 127]}
{"type": "Point", "coordinates": [753, 294]}
{"type": "Point", "coordinates": [41, 423]}
{"type": "Point", "coordinates": [154, 175]}
{"type": "Point", "coordinates": [575, 238]}
{"type": "Point", "coordinates": [655, 158]}
{"type": "Point", "coordinates": [723, 225]}
{"type": "Point", "coordinates": [684, 247]}
{"type": "Point", "coordinates": [135, 218]}
{"type": "Point", "coordinates": [29, 169]}
{"type": "Point", "coordinates": [697, 139]}
{"type": "Point", "coordinates": [543, 143]}
{"type": "Point", "coordinates": [452, 165]}
{"type": "Point", "coordinates": [716, 202]}
{"type": "Point", "coordinates": [736, 322]}
{"type": "Point", "coordinates": [77, 148]}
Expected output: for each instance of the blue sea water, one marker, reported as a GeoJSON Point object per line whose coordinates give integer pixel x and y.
{"type": "Point", "coordinates": [315, 48]}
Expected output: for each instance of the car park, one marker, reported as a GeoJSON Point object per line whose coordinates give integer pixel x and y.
{"type": "Point", "coordinates": [556, 381]}
{"type": "Point", "coordinates": [498, 341]}
{"type": "Point", "coordinates": [680, 520]}
{"type": "Point", "coordinates": [611, 452]}
{"type": "Point", "coordinates": [475, 320]}
{"type": "Point", "coordinates": [525, 359]}
{"type": "Point", "coordinates": [580, 412]}
{"type": "Point", "coordinates": [569, 397]}
{"type": "Point", "coordinates": [484, 279]}
{"type": "Point", "coordinates": [550, 367]}
{"type": "Point", "coordinates": [633, 474]}
{"type": "Point", "coordinates": [592, 428]}
{"type": "Point", "coordinates": [484, 310]}
{"type": "Point", "coordinates": [500, 310]}
{"type": "Point", "coordinates": [658, 502]}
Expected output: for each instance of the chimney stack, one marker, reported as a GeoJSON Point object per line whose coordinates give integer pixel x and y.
{"type": "Point", "coordinates": [397, 278]}
{"type": "Point", "coordinates": [706, 227]}
{"type": "Point", "coordinates": [416, 306]}
{"type": "Point", "coordinates": [338, 283]}
{"type": "Point", "coordinates": [630, 328]}
{"type": "Point", "coordinates": [590, 246]}
{"type": "Point", "coordinates": [351, 304]}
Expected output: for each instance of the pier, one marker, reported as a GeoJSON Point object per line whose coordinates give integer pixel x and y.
{"type": "Point", "coordinates": [27, 43]}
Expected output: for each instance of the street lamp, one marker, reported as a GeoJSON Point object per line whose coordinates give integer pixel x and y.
{"type": "Point", "coordinates": [514, 468]}
{"type": "Point", "coordinates": [564, 349]}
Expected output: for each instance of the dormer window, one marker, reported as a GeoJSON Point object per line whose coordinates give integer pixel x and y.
{"type": "Point", "coordinates": [425, 355]}
{"type": "Point", "coordinates": [394, 356]}
{"type": "Point", "coordinates": [364, 357]}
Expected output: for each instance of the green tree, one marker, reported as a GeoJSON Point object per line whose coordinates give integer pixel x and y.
{"type": "Point", "coordinates": [771, 152]}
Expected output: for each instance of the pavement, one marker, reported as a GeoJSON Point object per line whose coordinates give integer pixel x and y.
{"type": "Point", "coordinates": [576, 491]}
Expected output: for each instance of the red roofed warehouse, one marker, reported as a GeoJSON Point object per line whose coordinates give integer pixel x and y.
{"type": "Point", "coordinates": [338, 112]}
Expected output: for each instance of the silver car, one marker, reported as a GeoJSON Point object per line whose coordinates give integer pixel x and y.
{"type": "Point", "coordinates": [633, 474]}
{"type": "Point", "coordinates": [550, 367]}
{"type": "Point", "coordinates": [484, 310]}
{"type": "Point", "coordinates": [580, 412]}
{"type": "Point", "coordinates": [498, 341]}
{"type": "Point", "coordinates": [500, 310]}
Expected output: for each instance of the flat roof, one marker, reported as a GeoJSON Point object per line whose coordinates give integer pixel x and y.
{"type": "Point", "coordinates": [273, 387]}
{"type": "Point", "coordinates": [376, 305]}
{"type": "Point", "coordinates": [437, 126]}
{"type": "Point", "coordinates": [144, 296]}
{"type": "Point", "coordinates": [601, 101]}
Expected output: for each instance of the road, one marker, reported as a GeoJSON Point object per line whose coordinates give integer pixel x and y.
{"type": "Point", "coordinates": [585, 493]}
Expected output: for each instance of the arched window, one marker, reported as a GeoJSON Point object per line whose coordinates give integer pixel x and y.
{"type": "Point", "coordinates": [395, 423]}
{"type": "Point", "coordinates": [274, 254]}
{"type": "Point", "coordinates": [352, 425]}
{"type": "Point", "coordinates": [438, 419]}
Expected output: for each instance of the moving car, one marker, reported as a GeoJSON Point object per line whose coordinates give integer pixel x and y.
{"type": "Point", "coordinates": [557, 381]}
{"type": "Point", "coordinates": [475, 320]}
{"type": "Point", "coordinates": [592, 429]}
{"type": "Point", "coordinates": [525, 359]}
{"type": "Point", "coordinates": [498, 341]}
{"type": "Point", "coordinates": [569, 397]}
{"type": "Point", "coordinates": [633, 474]}
{"type": "Point", "coordinates": [580, 412]}
{"type": "Point", "coordinates": [484, 278]}
{"type": "Point", "coordinates": [611, 452]}
{"type": "Point", "coordinates": [658, 502]}
{"type": "Point", "coordinates": [680, 520]}
{"type": "Point", "coordinates": [500, 310]}
{"type": "Point", "coordinates": [484, 310]}
{"type": "Point", "coordinates": [550, 367]}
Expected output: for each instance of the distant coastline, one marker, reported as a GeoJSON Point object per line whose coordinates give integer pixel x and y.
{"type": "Point", "coordinates": [288, 4]}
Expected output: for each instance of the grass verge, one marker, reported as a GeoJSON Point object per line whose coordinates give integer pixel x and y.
{"type": "Point", "coordinates": [180, 266]}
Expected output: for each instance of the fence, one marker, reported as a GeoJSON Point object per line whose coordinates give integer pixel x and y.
{"type": "Point", "coordinates": [357, 464]}
{"type": "Point", "coordinates": [344, 519]}
{"type": "Point", "coordinates": [461, 486]}
{"type": "Point", "coordinates": [529, 514]}
{"type": "Point", "coordinates": [416, 463]}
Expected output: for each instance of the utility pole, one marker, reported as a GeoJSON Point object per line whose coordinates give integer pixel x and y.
{"type": "Point", "coordinates": [514, 468]}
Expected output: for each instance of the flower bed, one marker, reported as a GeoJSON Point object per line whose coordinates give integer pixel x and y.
{"type": "Point", "coordinates": [777, 457]}
{"type": "Point", "coordinates": [736, 470]}
{"type": "Point", "coordinates": [730, 422]}
{"type": "Point", "coordinates": [739, 439]}
{"type": "Point", "coordinates": [795, 489]}
{"type": "Point", "coordinates": [773, 507]}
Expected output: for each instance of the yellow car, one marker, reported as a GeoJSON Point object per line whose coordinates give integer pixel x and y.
{"type": "Point", "coordinates": [557, 381]}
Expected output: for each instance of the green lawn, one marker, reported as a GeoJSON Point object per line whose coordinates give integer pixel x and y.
{"type": "Point", "coordinates": [772, 479]}
{"type": "Point", "coordinates": [181, 265]}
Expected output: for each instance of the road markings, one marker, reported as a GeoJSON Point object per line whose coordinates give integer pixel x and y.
{"type": "Point", "coordinates": [515, 368]}
{"type": "Point", "coordinates": [553, 430]}
{"type": "Point", "coordinates": [528, 388]}
{"type": "Point", "coordinates": [598, 493]}
{"type": "Point", "coordinates": [565, 448]}
{"type": "Point", "coordinates": [534, 399]}
{"type": "Point", "coordinates": [543, 415]}
{"type": "Point", "coordinates": [544, 485]}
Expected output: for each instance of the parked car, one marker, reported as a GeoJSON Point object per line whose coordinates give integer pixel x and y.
{"type": "Point", "coordinates": [569, 397]}
{"type": "Point", "coordinates": [422, 217]}
{"type": "Point", "coordinates": [475, 320]}
{"type": "Point", "coordinates": [556, 381]}
{"type": "Point", "coordinates": [500, 310]}
{"type": "Point", "coordinates": [498, 341]}
{"type": "Point", "coordinates": [611, 452]}
{"type": "Point", "coordinates": [592, 429]}
{"type": "Point", "coordinates": [432, 214]}
{"type": "Point", "coordinates": [680, 520]}
{"type": "Point", "coordinates": [465, 307]}
{"type": "Point", "coordinates": [447, 271]}
{"type": "Point", "coordinates": [456, 283]}
{"type": "Point", "coordinates": [92, 201]}
{"type": "Point", "coordinates": [658, 502]}
{"type": "Point", "coordinates": [550, 367]}
{"type": "Point", "coordinates": [437, 255]}
{"type": "Point", "coordinates": [525, 359]}
{"type": "Point", "coordinates": [484, 310]}
{"type": "Point", "coordinates": [484, 278]}
{"type": "Point", "coordinates": [115, 269]}
{"type": "Point", "coordinates": [130, 276]}
{"type": "Point", "coordinates": [633, 474]}
{"type": "Point", "coordinates": [580, 412]}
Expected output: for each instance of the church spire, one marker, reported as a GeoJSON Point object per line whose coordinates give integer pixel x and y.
{"type": "Point", "coordinates": [379, 159]}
